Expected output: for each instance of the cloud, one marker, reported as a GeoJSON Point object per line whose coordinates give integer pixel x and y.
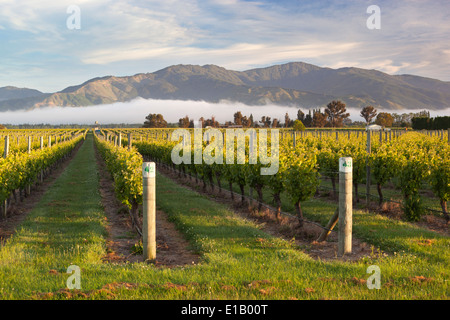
{"type": "Point", "coordinates": [129, 37]}
{"type": "Point", "coordinates": [135, 112]}
{"type": "Point", "coordinates": [237, 56]}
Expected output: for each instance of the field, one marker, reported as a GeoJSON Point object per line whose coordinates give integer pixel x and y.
{"type": "Point", "coordinates": [79, 203]}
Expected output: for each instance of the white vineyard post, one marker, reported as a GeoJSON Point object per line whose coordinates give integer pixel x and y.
{"type": "Point", "coordinates": [42, 148]}
{"type": "Point", "coordinates": [29, 144]}
{"type": "Point", "coordinates": [345, 206]}
{"type": "Point", "coordinates": [369, 150]}
{"type": "Point", "coordinates": [6, 150]}
{"type": "Point", "coordinates": [5, 155]}
{"type": "Point", "coordinates": [149, 211]}
{"type": "Point", "coordinates": [251, 151]}
{"type": "Point", "coordinates": [129, 141]}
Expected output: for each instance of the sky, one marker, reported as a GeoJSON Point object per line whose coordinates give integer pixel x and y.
{"type": "Point", "coordinates": [41, 49]}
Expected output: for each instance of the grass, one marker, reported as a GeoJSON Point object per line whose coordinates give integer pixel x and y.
{"type": "Point", "coordinates": [239, 260]}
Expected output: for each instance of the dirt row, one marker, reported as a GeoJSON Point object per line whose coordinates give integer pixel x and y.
{"type": "Point", "coordinates": [172, 249]}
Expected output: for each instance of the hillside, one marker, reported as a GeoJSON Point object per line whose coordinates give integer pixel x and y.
{"type": "Point", "coordinates": [296, 84]}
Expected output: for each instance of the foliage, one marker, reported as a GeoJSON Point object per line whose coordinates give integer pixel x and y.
{"type": "Point", "coordinates": [368, 113]}
{"type": "Point", "coordinates": [299, 126]}
{"type": "Point", "coordinates": [384, 119]}
{"type": "Point", "coordinates": [155, 121]}
{"type": "Point", "coordinates": [336, 113]}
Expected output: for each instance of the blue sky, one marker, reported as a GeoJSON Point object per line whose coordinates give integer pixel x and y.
{"type": "Point", "coordinates": [126, 37]}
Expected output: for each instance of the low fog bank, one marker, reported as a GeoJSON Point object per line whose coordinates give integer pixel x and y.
{"type": "Point", "coordinates": [135, 112]}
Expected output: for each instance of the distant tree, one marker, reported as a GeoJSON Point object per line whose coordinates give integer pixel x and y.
{"type": "Point", "coordinates": [275, 123]}
{"type": "Point", "coordinates": [266, 121]}
{"type": "Point", "coordinates": [405, 119]}
{"type": "Point", "coordinates": [238, 118]}
{"type": "Point", "coordinates": [184, 122]}
{"type": "Point", "coordinates": [247, 122]}
{"type": "Point", "coordinates": [202, 121]}
{"type": "Point", "coordinates": [384, 119]}
{"type": "Point", "coordinates": [287, 120]}
{"type": "Point", "coordinates": [250, 119]}
{"type": "Point", "coordinates": [2, 127]}
{"type": "Point", "coordinates": [308, 119]}
{"type": "Point", "coordinates": [347, 122]}
{"type": "Point", "coordinates": [298, 125]}
{"type": "Point", "coordinates": [300, 115]}
{"type": "Point", "coordinates": [319, 120]}
{"type": "Point", "coordinates": [336, 113]}
{"type": "Point", "coordinates": [368, 113]}
{"type": "Point", "coordinates": [211, 122]}
{"type": "Point", "coordinates": [155, 121]}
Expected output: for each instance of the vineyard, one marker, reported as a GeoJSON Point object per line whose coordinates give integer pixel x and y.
{"type": "Point", "coordinates": [251, 233]}
{"type": "Point", "coordinates": [407, 164]}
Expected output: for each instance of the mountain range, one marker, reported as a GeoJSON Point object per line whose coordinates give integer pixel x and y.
{"type": "Point", "coordinates": [293, 84]}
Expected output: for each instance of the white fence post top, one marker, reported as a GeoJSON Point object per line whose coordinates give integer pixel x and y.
{"type": "Point", "coordinates": [345, 164]}
{"type": "Point", "coordinates": [148, 170]}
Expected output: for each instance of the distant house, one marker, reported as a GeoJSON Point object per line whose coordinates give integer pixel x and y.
{"type": "Point", "coordinates": [374, 127]}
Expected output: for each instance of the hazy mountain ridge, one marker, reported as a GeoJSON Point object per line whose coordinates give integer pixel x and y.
{"type": "Point", "coordinates": [298, 84]}
{"type": "Point", "coordinates": [11, 93]}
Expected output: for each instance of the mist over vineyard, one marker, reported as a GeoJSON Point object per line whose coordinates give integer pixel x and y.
{"type": "Point", "coordinates": [136, 110]}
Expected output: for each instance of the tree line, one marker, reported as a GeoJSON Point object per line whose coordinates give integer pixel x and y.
{"type": "Point", "coordinates": [427, 123]}
{"type": "Point", "coordinates": [334, 115]}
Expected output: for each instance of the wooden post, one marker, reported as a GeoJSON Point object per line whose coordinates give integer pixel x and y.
{"type": "Point", "coordinates": [251, 152]}
{"type": "Point", "coordinates": [149, 211]}
{"type": "Point", "coordinates": [49, 141]}
{"type": "Point", "coordinates": [294, 137]}
{"type": "Point", "coordinates": [330, 225]}
{"type": "Point", "coordinates": [119, 141]}
{"type": "Point", "coordinates": [5, 155]}
{"type": "Point", "coordinates": [369, 150]}
{"type": "Point", "coordinates": [129, 141]}
{"type": "Point", "coordinates": [345, 206]}
{"type": "Point", "coordinates": [29, 144]}
{"type": "Point", "coordinates": [42, 142]}
{"type": "Point", "coordinates": [6, 150]}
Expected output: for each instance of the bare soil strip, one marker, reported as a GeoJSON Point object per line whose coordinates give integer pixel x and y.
{"type": "Point", "coordinates": [172, 248]}
{"type": "Point", "coordinates": [19, 210]}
